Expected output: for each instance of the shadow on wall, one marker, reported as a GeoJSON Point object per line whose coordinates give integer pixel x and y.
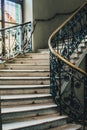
{"type": "Point", "coordinates": [45, 9]}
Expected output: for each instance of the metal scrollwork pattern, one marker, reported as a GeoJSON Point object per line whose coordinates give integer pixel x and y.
{"type": "Point", "coordinates": [68, 85]}
{"type": "Point", "coordinates": [15, 40]}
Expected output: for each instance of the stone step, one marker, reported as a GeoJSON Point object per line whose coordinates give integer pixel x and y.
{"type": "Point", "coordinates": [79, 50]}
{"type": "Point", "coordinates": [21, 100]}
{"type": "Point", "coordinates": [26, 67]}
{"type": "Point", "coordinates": [68, 127]}
{"type": "Point", "coordinates": [24, 73]}
{"type": "Point", "coordinates": [21, 113]}
{"type": "Point", "coordinates": [34, 55]}
{"type": "Point", "coordinates": [31, 62]}
{"type": "Point", "coordinates": [24, 89]}
{"type": "Point", "coordinates": [43, 51]}
{"type": "Point", "coordinates": [74, 56]}
{"type": "Point", "coordinates": [82, 44]}
{"type": "Point", "coordinates": [37, 124]}
{"type": "Point", "coordinates": [24, 80]}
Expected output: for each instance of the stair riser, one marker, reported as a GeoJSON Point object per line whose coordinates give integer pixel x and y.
{"type": "Point", "coordinates": [21, 116]}
{"type": "Point", "coordinates": [24, 74]}
{"type": "Point", "coordinates": [33, 63]}
{"type": "Point", "coordinates": [25, 91]}
{"type": "Point", "coordinates": [34, 56]}
{"type": "Point", "coordinates": [22, 102]}
{"type": "Point", "coordinates": [27, 67]}
{"type": "Point", "coordinates": [24, 81]}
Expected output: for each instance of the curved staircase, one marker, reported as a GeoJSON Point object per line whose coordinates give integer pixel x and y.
{"type": "Point", "coordinates": [26, 102]}
{"type": "Point", "coordinates": [38, 94]}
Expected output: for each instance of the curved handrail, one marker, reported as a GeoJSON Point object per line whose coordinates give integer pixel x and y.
{"type": "Point", "coordinates": [65, 77]}
{"type": "Point", "coordinates": [54, 51]}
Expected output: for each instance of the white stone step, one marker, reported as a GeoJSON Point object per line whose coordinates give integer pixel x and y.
{"type": "Point", "coordinates": [26, 108]}
{"type": "Point", "coordinates": [24, 78]}
{"type": "Point", "coordinates": [23, 86]}
{"type": "Point", "coordinates": [10, 97]}
{"type": "Point", "coordinates": [24, 89]}
{"type": "Point", "coordinates": [24, 73]}
{"type": "Point", "coordinates": [33, 62]}
{"type": "Point", "coordinates": [26, 67]}
{"type": "Point", "coordinates": [25, 100]}
{"type": "Point", "coordinates": [36, 124]}
{"type": "Point", "coordinates": [4, 70]}
{"type": "Point", "coordinates": [68, 127]}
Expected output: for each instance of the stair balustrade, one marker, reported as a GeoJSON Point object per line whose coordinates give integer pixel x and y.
{"type": "Point", "coordinates": [68, 83]}
{"type": "Point", "coordinates": [15, 40]}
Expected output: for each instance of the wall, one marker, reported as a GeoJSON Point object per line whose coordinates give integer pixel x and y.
{"type": "Point", "coordinates": [28, 14]}
{"type": "Point", "coordinates": [44, 9]}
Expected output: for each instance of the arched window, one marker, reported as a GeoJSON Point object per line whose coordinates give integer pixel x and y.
{"type": "Point", "coordinates": [10, 13]}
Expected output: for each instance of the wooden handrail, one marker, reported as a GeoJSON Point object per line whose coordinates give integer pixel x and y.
{"type": "Point", "coordinates": [54, 51]}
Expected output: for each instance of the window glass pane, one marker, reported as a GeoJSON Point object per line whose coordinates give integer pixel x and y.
{"type": "Point", "coordinates": [9, 25]}
{"type": "Point", "coordinates": [12, 12]}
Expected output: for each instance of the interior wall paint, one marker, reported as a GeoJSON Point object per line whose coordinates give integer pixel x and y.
{"type": "Point", "coordinates": [44, 9]}
{"type": "Point", "coordinates": [28, 14]}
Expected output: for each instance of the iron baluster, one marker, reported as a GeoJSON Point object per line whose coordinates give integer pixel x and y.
{"type": "Point", "coordinates": [67, 79]}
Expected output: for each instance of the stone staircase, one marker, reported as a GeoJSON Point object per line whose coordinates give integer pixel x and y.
{"type": "Point", "coordinates": [26, 102]}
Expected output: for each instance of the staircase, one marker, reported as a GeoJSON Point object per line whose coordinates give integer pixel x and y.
{"type": "Point", "coordinates": [26, 102]}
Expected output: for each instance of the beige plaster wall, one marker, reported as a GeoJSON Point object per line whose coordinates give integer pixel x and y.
{"type": "Point", "coordinates": [44, 9]}
{"type": "Point", "coordinates": [28, 14]}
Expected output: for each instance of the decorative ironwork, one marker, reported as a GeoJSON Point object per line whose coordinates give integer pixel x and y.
{"type": "Point", "coordinates": [68, 84]}
{"type": "Point", "coordinates": [15, 40]}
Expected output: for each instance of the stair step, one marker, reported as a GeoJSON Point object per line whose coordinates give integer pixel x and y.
{"type": "Point", "coordinates": [26, 66]}
{"type": "Point", "coordinates": [74, 56]}
{"type": "Point", "coordinates": [24, 73]}
{"type": "Point", "coordinates": [29, 78]}
{"type": "Point", "coordinates": [27, 108]}
{"type": "Point", "coordinates": [21, 113]}
{"type": "Point", "coordinates": [34, 55]}
{"type": "Point", "coordinates": [79, 50]}
{"type": "Point", "coordinates": [23, 86]}
{"type": "Point", "coordinates": [18, 100]}
{"type": "Point", "coordinates": [24, 80]}
{"type": "Point", "coordinates": [32, 62]}
{"type": "Point", "coordinates": [68, 127]}
{"type": "Point", "coordinates": [40, 124]}
{"type": "Point", "coordinates": [24, 89]}
{"type": "Point", "coordinates": [13, 97]}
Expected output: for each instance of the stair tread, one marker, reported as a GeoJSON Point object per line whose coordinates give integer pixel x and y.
{"type": "Point", "coordinates": [67, 127]}
{"type": "Point", "coordinates": [22, 86]}
{"type": "Point", "coordinates": [5, 70]}
{"type": "Point", "coordinates": [25, 96]}
{"type": "Point", "coordinates": [27, 108]}
{"type": "Point", "coordinates": [23, 124]}
{"type": "Point", "coordinates": [24, 78]}
{"type": "Point", "coordinates": [23, 64]}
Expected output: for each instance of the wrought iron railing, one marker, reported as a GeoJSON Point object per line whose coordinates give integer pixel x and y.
{"type": "Point", "coordinates": [69, 82]}
{"type": "Point", "coordinates": [15, 40]}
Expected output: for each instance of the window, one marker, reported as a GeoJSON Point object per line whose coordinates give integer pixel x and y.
{"type": "Point", "coordinates": [10, 13]}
